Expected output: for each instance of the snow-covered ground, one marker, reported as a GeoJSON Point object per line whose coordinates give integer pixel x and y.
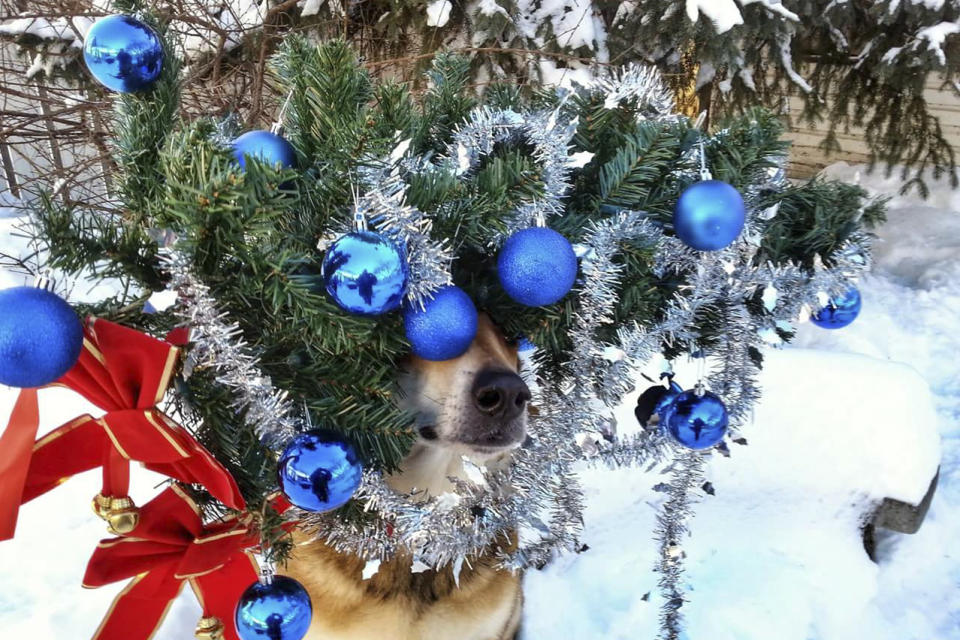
{"type": "Point", "coordinates": [776, 553]}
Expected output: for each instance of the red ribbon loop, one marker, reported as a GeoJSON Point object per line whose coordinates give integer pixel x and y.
{"type": "Point", "coordinates": [171, 546]}
{"type": "Point", "coordinates": [126, 373]}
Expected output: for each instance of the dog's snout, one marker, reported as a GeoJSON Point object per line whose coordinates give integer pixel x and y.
{"type": "Point", "coordinates": [500, 394]}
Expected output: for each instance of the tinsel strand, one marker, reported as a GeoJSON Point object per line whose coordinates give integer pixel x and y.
{"type": "Point", "coordinates": [546, 132]}
{"type": "Point", "coordinates": [671, 528]}
{"type": "Point", "coordinates": [219, 344]}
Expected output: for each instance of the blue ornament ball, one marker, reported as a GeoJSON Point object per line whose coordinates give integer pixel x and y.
{"type": "Point", "coordinates": [319, 471]}
{"type": "Point", "coordinates": [663, 407]}
{"type": "Point", "coordinates": [40, 337]}
{"type": "Point", "coordinates": [444, 328]}
{"type": "Point", "coordinates": [840, 311]}
{"type": "Point", "coordinates": [537, 266]}
{"type": "Point", "coordinates": [280, 610]}
{"type": "Point", "coordinates": [524, 344]}
{"type": "Point", "coordinates": [265, 146]}
{"type": "Point", "coordinates": [365, 273]}
{"type": "Point", "coordinates": [123, 54]}
{"type": "Point", "coordinates": [696, 420]}
{"type": "Point", "coordinates": [709, 215]}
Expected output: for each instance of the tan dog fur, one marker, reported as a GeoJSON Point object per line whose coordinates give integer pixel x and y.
{"type": "Point", "coordinates": [396, 604]}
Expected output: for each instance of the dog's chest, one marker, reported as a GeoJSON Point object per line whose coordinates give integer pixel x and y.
{"type": "Point", "coordinates": [396, 605]}
{"type": "Point", "coordinates": [396, 621]}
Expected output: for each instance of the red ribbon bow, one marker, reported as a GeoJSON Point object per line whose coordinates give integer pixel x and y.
{"type": "Point", "coordinates": [171, 546]}
{"type": "Point", "coordinates": [126, 373]}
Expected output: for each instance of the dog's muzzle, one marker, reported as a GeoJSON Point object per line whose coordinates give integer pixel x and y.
{"type": "Point", "coordinates": [498, 410]}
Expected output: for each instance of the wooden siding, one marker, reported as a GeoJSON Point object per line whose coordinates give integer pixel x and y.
{"type": "Point", "coordinates": [807, 158]}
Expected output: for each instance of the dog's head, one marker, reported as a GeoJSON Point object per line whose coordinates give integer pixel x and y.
{"type": "Point", "coordinates": [474, 405]}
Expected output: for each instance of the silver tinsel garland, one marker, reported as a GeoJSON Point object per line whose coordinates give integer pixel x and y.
{"type": "Point", "coordinates": [638, 84]}
{"type": "Point", "coordinates": [686, 474]}
{"type": "Point", "coordinates": [546, 132]}
{"type": "Point", "coordinates": [384, 207]}
{"type": "Point", "coordinates": [218, 343]}
{"type": "Point", "coordinates": [538, 494]}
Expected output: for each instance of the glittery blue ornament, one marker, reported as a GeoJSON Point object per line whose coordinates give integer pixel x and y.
{"type": "Point", "coordinates": [365, 273]}
{"type": "Point", "coordinates": [123, 54]}
{"type": "Point", "coordinates": [840, 311]}
{"type": "Point", "coordinates": [280, 610]}
{"type": "Point", "coordinates": [709, 215]}
{"type": "Point", "coordinates": [40, 337]}
{"type": "Point", "coordinates": [319, 471]}
{"type": "Point", "coordinates": [537, 266]}
{"type": "Point", "coordinates": [267, 147]}
{"type": "Point", "coordinates": [444, 328]}
{"type": "Point", "coordinates": [696, 420]}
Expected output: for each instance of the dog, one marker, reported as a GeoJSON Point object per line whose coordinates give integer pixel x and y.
{"type": "Point", "coordinates": [474, 406]}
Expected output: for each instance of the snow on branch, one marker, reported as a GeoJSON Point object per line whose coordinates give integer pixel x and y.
{"type": "Point", "coordinates": [786, 59]}
{"type": "Point", "coordinates": [936, 36]}
{"type": "Point", "coordinates": [724, 14]}
{"type": "Point", "coordinates": [774, 6]}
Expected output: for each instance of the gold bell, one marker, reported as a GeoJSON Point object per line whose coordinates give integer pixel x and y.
{"type": "Point", "coordinates": [123, 516]}
{"type": "Point", "coordinates": [209, 628]}
{"type": "Point", "coordinates": [101, 505]}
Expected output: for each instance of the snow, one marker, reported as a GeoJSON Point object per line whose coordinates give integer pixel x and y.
{"type": "Point", "coordinates": [438, 13]}
{"type": "Point", "coordinates": [724, 14]}
{"type": "Point", "coordinates": [56, 29]}
{"type": "Point", "coordinates": [847, 417]}
{"type": "Point", "coordinates": [936, 35]}
{"type": "Point", "coordinates": [774, 6]}
{"type": "Point", "coordinates": [786, 59]}
{"type": "Point", "coordinates": [311, 7]}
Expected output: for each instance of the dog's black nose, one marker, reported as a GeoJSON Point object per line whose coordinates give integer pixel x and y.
{"type": "Point", "coordinates": [500, 394]}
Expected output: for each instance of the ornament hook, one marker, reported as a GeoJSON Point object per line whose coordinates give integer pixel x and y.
{"type": "Point", "coordinates": [359, 219]}
{"type": "Point", "coordinates": [306, 415]}
{"type": "Point", "coordinates": [267, 572]}
{"type": "Point", "coordinates": [277, 127]}
{"type": "Point", "coordinates": [44, 281]}
{"type": "Point", "coordinates": [704, 172]}
{"type": "Point", "coordinates": [699, 389]}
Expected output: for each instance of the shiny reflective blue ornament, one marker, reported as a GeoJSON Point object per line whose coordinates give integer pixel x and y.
{"type": "Point", "coordinates": [696, 420]}
{"type": "Point", "coordinates": [656, 400]}
{"type": "Point", "coordinates": [709, 215]}
{"type": "Point", "coordinates": [123, 54]}
{"type": "Point", "coordinates": [267, 147]}
{"type": "Point", "coordinates": [444, 328]}
{"type": "Point", "coordinates": [840, 311]}
{"type": "Point", "coordinates": [664, 405]}
{"type": "Point", "coordinates": [280, 610]}
{"type": "Point", "coordinates": [365, 273]}
{"type": "Point", "coordinates": [40, 337]}
{"type": "Point", "coordinates": [537, 266]}
{"type": "Point", "coordinates": [319, 471]}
